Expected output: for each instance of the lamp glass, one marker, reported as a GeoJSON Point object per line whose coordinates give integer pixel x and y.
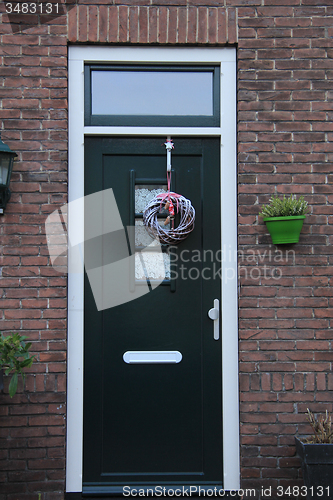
{"type": "Point", "coordinates": [5, 160]}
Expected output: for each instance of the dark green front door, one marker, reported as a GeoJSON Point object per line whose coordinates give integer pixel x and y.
{"type": "Point", "coordinates": [156, 424]}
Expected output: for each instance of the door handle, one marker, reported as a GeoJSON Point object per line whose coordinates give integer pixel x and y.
{"type": "Point", "coordinates": [214, 314]}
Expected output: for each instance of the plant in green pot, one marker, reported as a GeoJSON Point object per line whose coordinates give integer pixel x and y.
{"type": "Point", "coordinates": [316, 454]}
{"type": "Point", "coordinates": [284, 218]}
{"type": "Point", "coordinates": [14, 357]}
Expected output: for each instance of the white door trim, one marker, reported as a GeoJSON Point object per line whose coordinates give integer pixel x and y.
{"type": "Point", "coordinates": [226, 58]}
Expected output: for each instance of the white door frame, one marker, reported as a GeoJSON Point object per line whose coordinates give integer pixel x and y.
{"type": "Point", "coordinates": [226, 58]}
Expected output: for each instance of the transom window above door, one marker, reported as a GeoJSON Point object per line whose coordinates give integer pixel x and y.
{"type": "Point", "coordinates": [151, 95]}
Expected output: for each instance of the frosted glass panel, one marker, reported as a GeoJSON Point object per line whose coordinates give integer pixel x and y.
{"type": "Point", "coordinates": [145, 193]}
{"type": "Point", "coordinates": [142, 237]}
{"type": "Point", "coordinates": [176, 93]}
{"type": "Point", "coordinates": [152, 266]}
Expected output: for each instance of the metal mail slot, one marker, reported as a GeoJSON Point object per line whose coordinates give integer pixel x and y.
{"type": "Point", "coordinates": [132, 357]}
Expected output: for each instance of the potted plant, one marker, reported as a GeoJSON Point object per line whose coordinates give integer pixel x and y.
{"type": "Point", "coordinates": [284, 218]}
{"type": "Point", "coordinates": [14, 357]}
{"type": "Point", "coordinates": [316, 454]}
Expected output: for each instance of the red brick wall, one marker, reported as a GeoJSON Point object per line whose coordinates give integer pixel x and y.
{"type": "Point", "coordinates": [33, 299]}
{"type": "Point", "coordinates": [285, 145]}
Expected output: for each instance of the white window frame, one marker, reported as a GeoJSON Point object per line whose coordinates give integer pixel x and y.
{"type": "Point", "coordinates": [226, 58]}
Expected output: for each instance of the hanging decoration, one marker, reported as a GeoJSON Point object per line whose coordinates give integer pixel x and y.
{"type": "Point", "coordinates": [173, 204]}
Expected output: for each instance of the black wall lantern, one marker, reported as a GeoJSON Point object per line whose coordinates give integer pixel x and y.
{"type": "Point", "coordinates": [6, 166]}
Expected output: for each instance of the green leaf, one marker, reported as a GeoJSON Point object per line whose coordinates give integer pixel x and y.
{"type": "Point", "coordinates": [27, 363]}
{"type": "Point", "coordinates": [13, 385]}
{"type": "Point", "coordinates": [285, 207]}
{"type": "Point", "coordinates": [14, 357]}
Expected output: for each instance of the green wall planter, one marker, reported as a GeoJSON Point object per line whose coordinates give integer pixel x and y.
{"type": "Point", "coordinates": [285, 230]}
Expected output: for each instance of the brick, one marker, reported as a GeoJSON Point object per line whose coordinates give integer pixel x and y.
{"type": "Point", "coordinates": [113, 23]}
{"type": "Point", "coordinates": [93, 23]}
{"type": "Point", "coordinates": [202, 25]}
{"type": "Point", "coordinates": [153, 35]}
{"type": "Point", "coordinates": [143, 25]}
{"type": "Point", "coordinates": [10, 465]}
{"type": "Point", "coordinates": [162, 24]}
{"type": "Point", "coordinates": [232, 26]}
{"type": "Point", "coordinates": [102, 23]}
{"type": "Point", "coordinates": [321, 381]}
{"type": "Point", "coordinates": [123, 23]}
{"type": "Point", "coordinates": [26, 476]}
{"type": "Point", "coordinates": [133, 24]}
{"type": "Point", "coordinates": [182, 19]}
{"type": "Point", "coordinates": [17, 39]}
{"type": "Point", "coordinates": [192, 25]}
{"type": "Point", "coordinates": [221, 26]}
{"type": "Point", "coordinates": [46, 464]}
{"type": "Point", "coordinates": [27, 453]}
{"type": "Point", "coordinates": [172, 25]}
{"type": "Point", "coordinates": [83, 23]}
